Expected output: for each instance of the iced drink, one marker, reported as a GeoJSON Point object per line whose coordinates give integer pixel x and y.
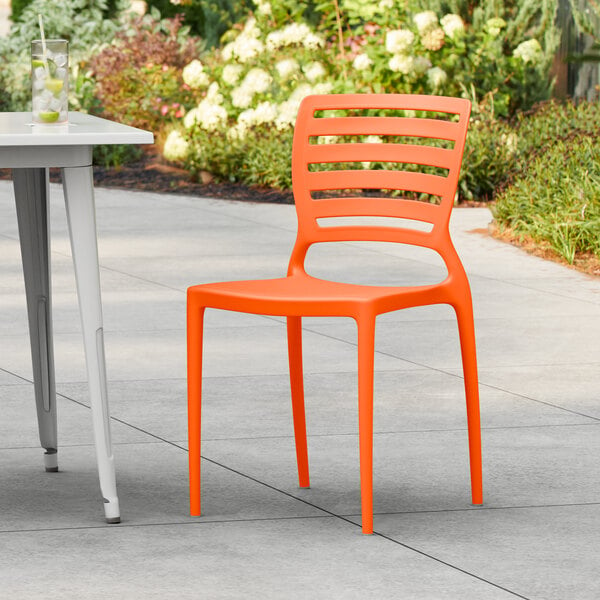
{"type": "Point", "coordinates": [49, 81]}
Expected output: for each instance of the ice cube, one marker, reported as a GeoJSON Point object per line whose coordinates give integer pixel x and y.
{"type": "Point", "coordinates": [37, 103]}
{"type": "Point", "coordinates": [60, 60]}
{"type": "Point", "coordinates": [63, 115]}
{"type": "Point", "coordinates": [60, 73]}
{"type": "Point", "coordinates": [39, 72]}
{"type": "Point", "coordinates": [39, 84]}
{"type": "Point", "coordinates": [55, 104]}
{"type": "Point", "coordinates": [46, 96]}
{"type": "Point", "coordinates": [44, 104]}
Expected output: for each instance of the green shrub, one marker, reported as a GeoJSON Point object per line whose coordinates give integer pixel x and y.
{"type": "Point", "coordinates": [263, 160]}
{"type": "Point", "coordinates": [498, 151]}
{"type": "Point", "coordinates": [17, 7]}
{"type": "Point", "coordinates": [138, 77]}
{"type": "Point", "coordinates": [556, 201]}
{"type": "Point", "coordinates": [116, 155]}
{"type": "Point", "coordinates": [208, 19]}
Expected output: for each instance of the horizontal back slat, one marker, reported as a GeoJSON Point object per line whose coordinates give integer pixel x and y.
{"type": "Point", "coordinates": [376, 207]}
{"type": "Point", "coordinates": [415, 102]}
{"type": "Point", "coordinates": [369, 233]}
{"type": "Point", "coordinates": [385, 180]}
{"type": "Point", "coordinates": [394, 126]}
{"type": "Point", "coordinates": [400, 153]}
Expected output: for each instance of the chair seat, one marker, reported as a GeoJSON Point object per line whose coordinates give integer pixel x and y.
{"type": "Point", "coordinates": [301, 294]}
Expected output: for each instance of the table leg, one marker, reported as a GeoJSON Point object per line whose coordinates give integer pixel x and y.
{"type": "Point", "coordinates": [81, 216]}
{"type": "Point", "coordinates": [31, 195]}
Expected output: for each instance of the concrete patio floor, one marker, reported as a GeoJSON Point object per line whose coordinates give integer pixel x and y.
{"type": "Point", "coordinates": [538, 332]}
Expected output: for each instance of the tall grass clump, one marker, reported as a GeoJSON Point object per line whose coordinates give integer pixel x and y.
{"type": "Point", "coordinates": [555, 201]}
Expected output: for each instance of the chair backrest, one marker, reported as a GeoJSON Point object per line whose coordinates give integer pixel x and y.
{"type": "Point", "coordinates": [413, 144]}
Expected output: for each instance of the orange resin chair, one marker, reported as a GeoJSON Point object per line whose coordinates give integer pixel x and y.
{"type": "Point", "coordinates": [299, 294]}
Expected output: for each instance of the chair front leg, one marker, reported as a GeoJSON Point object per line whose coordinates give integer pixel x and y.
{"type": "Point", "coordinates": [366, 365]}
{"type": "Point", "coordinates": [294, 333]}
{"type": "Point", "coordinates": [195, 325]}
{"type": "Point", "coordinates": [466, 328]}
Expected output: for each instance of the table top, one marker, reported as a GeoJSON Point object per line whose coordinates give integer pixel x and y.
{"type": "Point", "coordinates": [17, 129]}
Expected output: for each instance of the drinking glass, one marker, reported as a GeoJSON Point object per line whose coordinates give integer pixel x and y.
{"type": "Point", "coordinates": [50, 81]}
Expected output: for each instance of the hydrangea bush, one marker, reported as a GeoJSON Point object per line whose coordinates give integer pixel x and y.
{"type": "Point", "coordinates": [248, 90]}
{"type": "Point", "coordinates": [248, 95]}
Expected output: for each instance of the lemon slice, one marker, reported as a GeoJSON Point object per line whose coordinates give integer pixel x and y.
{"type": "Point", "coordinates": [49, 116]}
{"type": "Point", "coordinates": [35, 63]}
{"type": "Point", "coordinates": [54, 85]}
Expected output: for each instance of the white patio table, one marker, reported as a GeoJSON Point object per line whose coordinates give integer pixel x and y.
{"type": "Point", "coordinates": [29, 150]}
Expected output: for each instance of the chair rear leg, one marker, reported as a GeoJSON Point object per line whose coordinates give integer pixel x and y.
{"type": "Point", "coordinates": [466, 328]}
{"type": "Point", "coordinates": [294, 333]}
{"type": "Point", "coordinates": [366, 365]}
{"type": "Point", "coordinates": [195, 323]}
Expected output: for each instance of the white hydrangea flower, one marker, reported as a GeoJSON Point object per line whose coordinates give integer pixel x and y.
{"type": "Point", "coordinates": [452, 25]}
{"type": "Point", "coordinates": [402, 63]}
{"type": "Point", "coordinates": [246, 45]}
{"type": "Point", "coordinates": [324, 87]}
{"type": "Point", "coordinates": [231, 74]}
{"type": "Point", "coordinates": [265, 112]}
{"type": "Point", "coordinates": [241, 97]}
{"type": "Point", "coordinates": [193, 75]}
{"type": "Point", "coordinates": [176, 147]}
{"type": "Point", "coordinates": [250, 28]}
{"type": "Point", "coordinates": [495, 25]}
{"type": "Point", "coordinates": [274, 40]}
{"type": "Point", "coordinates": [227, 52]}
{"type": "Point", "coordinates": [294, 33]}
{"type": "Point", "coordinates": [436, 77]}
{"type": "Point", "coordinates": [210, 116]}
{"type": "Point", "coordinates": [373, 139]}
{"type": "Point", "coordinates": [257, 81]}
{"type": "Point", "coordinates": [327, 139]}
{"type": "Point", "coordinates": [263, 7]}
{"type": "Point", "coordinates": [287, 67]}
{"type": "Point", "coordinates": [237, 133]}
{"type": "Point", "coordinates": [528, 51]}
{"type": "Point", "coordinates": [425, 21]}
{"type": "Point", "coordinates": [190, 118]}
{"type": "Point", "coordinates": [248, 48]}
{"type": "Point", "coordinates": [212, 95]}
{"type": "Point", "coordinates": [510, 141]}
{"type": "Point", "coordinates": [303, 90]}
{"type": "Point", "coordinates": [314, 71]}
{"type": "Point", "coordinates": [421, 64]}
{"type": "Point", "coordinates": [385, 5]}
{"type": "Point", "coordinates": [361, 62]}
{"type": "Point", "coordinates": [399, 41]}
{"type": "Point", "coordinates": [287, 113]}
{"type": "Point", "coordinates": [312, 41]}
{"type": "Point", "coordinates": [433, 39]}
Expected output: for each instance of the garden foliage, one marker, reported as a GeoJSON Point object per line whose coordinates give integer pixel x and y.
{"type": "Point", "coordinates": [207, 19]}
{"type": "Point", "coordinates": [554, 196]}
{"type": "Point", "coordinates": [138, 76]}
{"type": "Point", "coordinates": [230, 109]}
{"type": "Point", "coordinates": [497, 53]}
